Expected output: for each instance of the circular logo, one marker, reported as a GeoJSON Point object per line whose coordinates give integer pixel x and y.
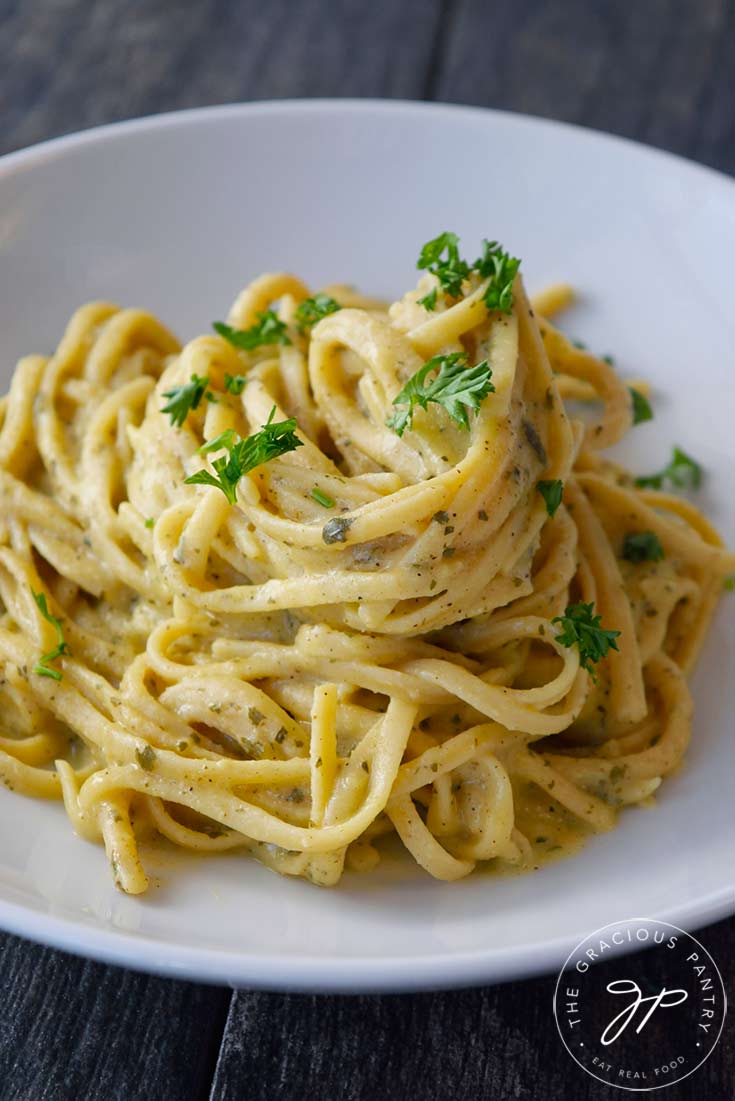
{"type": "Point", "coordinates": [640, 1022]}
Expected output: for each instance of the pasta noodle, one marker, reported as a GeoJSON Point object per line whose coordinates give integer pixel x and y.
{"type": "Point", "coordinates": [363, 644]}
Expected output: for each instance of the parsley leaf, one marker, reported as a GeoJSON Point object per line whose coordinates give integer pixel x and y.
{"type": "Point", "coordinates": [234, 384]}
{"type": "Point", "coordinates": [582, 628]}
{"type": "Point", "coordinates": [551, 493]}
{"type": "Point", "coordinates": [226, 439]}
{"type": "Point", "coordinates": [501, 268]}
{"type": "Point", "coordinates": [456, 386]}
{"type": "Point", "coordinates": [321, 498]}
{"type": "Point", "coordinates": [429, 300]}
{"type": "Point", "coordinates": [682, 473]}
{"type": "Point", "coordinates": [314, 309]}
{"type": "Point", "coordinates": [335, 530]}
{"type": "Point", "coordinates": [441, 257]}
{"type": "Point", "coordinates": [182, 399]}
{"type": "Point", "coordinates": [146, 757]}
{"type": "Point", "coordinates": [642, 410]}
{"type": "Point", "coordinates": [272, 440]}
{"type": "Point", "coordinates": [43, 669]}
{"type": "Point", "coordinates": [268, 329]}
{"type": "Point", "coordinates": [642, 546]}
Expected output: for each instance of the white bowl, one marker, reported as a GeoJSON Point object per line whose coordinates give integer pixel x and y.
{"type": "Point", "coordinates": [175, 214]}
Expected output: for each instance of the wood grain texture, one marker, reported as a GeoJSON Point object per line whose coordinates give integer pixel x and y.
{"type": "Point", "coordinates": [68, 65]}
{"type": "Point", "coordinates": [491, 1043]}
{"type": "Point", "coordinates": [660, 71]}
{"type": "Point", "coordinates": [72, 1029]}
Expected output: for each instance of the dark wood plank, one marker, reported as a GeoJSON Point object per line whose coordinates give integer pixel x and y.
{"type": "Point", "coordinates": [71, 1030]}
{"type": "Point", "coordinates": [493, 1042]}
{"type": "Point", "coordinates": [659, 71]}
{"type": "Point", "coordinates": [71, 65]}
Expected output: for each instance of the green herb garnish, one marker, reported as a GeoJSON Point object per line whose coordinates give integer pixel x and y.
{"type": "Point", "coordinates": [322, 499]}
{"type": "Point", "coordinates": [226, 439]}
{"type": "Point", "coordinates": [146, 757]}
{"type": "Point", "coordinates": [642, 410]}
{"type": "Point", "coordinates": [314, 309]}
{"type": "Point", "coordinates": [335, 530]}
{"type": "Point", "coordinates": [149, 522]}
{"type": "Point", "coordinates": [182, 399]}
{"type": "Point", "coordinates": [642, 546]}
{"type": "Point", "coordinates": [501, 269]}
{"type": "Point", "coordinates": [245, 455]}
{"type": "Point", "coordinates": [582, 628]}
{"type": "Point", "coordinates": [268, 329]}
{"type": "Point", "coordinates": [43, 669]}
{"type": "Point", "coordinates": [456, 386]}
{"type": "Point", "coordinates": [429, 300]}
{"type": "Point", "coordinates": [682, 473]}
{"type": "Point", "coordinates": [441, 257]}
{"type": "Point", "coordinates": [234, 384]}
{"type": "Point", "coordinates": [729, 584]}
{"type": "Point", "coordinates": [551, 493]}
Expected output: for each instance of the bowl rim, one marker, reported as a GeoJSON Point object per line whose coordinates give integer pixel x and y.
{"type": "Point", "coordinates": [344, 974]}
{"type": "Point", "coordinates": [78, 139]}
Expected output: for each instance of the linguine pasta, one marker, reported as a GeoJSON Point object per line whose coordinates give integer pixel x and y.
{"type": "Point", "coordinates": [371, 639]}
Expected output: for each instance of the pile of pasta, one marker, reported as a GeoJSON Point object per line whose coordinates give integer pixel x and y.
{"type": "Point", "coordinates": [299, 680]}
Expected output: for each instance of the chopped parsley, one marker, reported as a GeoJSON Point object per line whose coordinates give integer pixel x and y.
{"type": "Point", "coordinates": [322, 499]}
{"type": "Point", "coordinates": [146, 757]}
{"type": "Point", "coordinates": [234, 384]}
{"type": "Point", "coordinates": [552, 493]}
{"type": "Point", "coordinates": [501, 269]}
{"type": "Point", "coordinates": [272, 440]}
{"type": "Point", "coordinates": [335, 531]}
{"type": "Point", "coordinates": [581, 627]}
{"type": "Point", "coordinates": [729, 584]}
{"type": "Point", "coordinates": [440, 256]}
{"type": "Point", "coordinates": [149, 522]}
{"type": "Point", "coordinates": [642, 410]}
{"type": "Point", "coordinates": [429, 300]}
{"type": "Point", "coordinates": [456, 387]}
{"type": "Point", "coordinates": [682, 473]}
{"type": "Point", "coordinates": [314, 309]}
{"type": "Point", "coordinates": [642, 546]}
{"type": "Point", "coordinates": [268, 329]}
{"type": "Point", "coordinates": [43, 669]}
{"type": "Point", "coordinates": [182, 399]}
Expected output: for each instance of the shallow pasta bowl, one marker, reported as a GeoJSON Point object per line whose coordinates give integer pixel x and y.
{"type": "Point", "coordinates": [175, 214]}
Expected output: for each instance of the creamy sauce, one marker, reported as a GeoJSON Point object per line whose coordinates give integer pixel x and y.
{"type": "Point", "coordinates": [552, 830]}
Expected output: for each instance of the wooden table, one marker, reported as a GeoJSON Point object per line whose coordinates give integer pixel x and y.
{"type": "Point", "coordinates": [660, 71]}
